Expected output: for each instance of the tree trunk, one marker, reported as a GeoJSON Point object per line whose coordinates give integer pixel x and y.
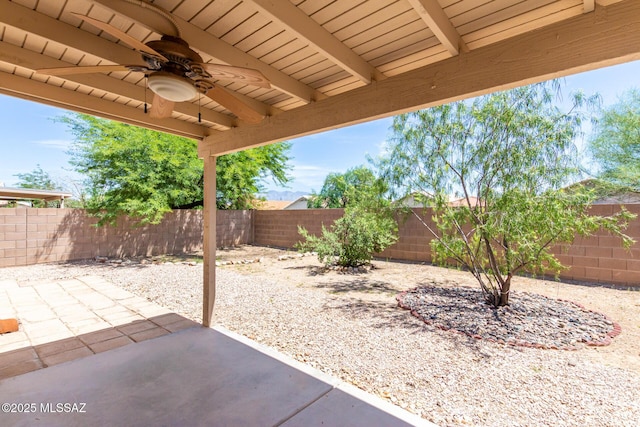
{"type": "Point", "coordinates": [504, 292]}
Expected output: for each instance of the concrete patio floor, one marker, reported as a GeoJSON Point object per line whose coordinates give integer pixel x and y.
{"type": "Point", "coordinates": [121, 360]}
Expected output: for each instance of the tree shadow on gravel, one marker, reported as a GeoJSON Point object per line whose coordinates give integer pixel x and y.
{"type": "Point", "coordinates": [387, 315]}
{"type": "Point", "coordinates": [312, 270]}
{"type": "Point", "coordinates": [357, 285]}
{"type": "Point", "coordinates": [107, 265]}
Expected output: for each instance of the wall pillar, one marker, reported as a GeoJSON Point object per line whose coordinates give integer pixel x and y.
{"type": "Point", "coordinates": [209, 240]}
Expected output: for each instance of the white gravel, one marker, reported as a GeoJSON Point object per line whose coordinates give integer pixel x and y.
{"type": "Point", "coordinates": [449, 379]}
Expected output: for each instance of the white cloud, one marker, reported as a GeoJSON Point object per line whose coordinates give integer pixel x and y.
{"type": "Point", "coordinates": [308, 177]}
{"type": "Point", "coordinates": [381, 149]}
{"type": "Point", "coordinates": [304, 178]}
{"type": "Point", "coordinates": [61, 144]}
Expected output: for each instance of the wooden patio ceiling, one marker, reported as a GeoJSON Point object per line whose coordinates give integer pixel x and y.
{"type": "Point", "coordinates": [330, 62]}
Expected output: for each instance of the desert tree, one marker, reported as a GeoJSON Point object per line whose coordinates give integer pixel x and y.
{"type": "Point", "coordinates": [508, 156]}
{"type": "Point", "coordinates": [615, 142]}
{"type": "Point", "coordinates": [144, 174]}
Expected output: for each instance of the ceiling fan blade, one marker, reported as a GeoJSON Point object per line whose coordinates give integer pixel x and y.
{"type": "Point", "coordinates": [161, 108]}
{"type": "Point", "coordinates": [235, 105]}
{"type": "Point", "coordinates": [119, 34]}
{"type": "Point", "coordinates": [237, 74]}
{"type": "Point", "coordinates": [63, 71]}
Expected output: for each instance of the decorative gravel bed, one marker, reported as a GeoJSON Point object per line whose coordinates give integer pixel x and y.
{"type": "Point", "coordinates": [350, 326]}
{"type": "Point", "coordinates": [529, 320]}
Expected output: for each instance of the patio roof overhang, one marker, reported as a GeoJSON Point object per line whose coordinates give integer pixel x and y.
{"type": "Point", "coordinates": [330, 64]}
{"type": "Point", "coordinates": [10, 193]}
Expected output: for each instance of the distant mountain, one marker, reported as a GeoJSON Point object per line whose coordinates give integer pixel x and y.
{"type": "Point", "coordinates": [283, 195]}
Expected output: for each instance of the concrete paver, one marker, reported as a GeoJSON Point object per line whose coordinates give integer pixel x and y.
{"type": "Point", "coordinates": [15, 345]}
{"type": "Point", "coordinates": [60, 346]}
{"type": "Point", "coordinates": [148, 334]}
{"type": "Point", "coordinates": [180, 325]}
{"type": "Point", "coordinates": [20, 367]}
{"type": "Point", "coordinates": [101, 346]}
{"type": "Point", "coordinates": [44, 328]}
{"type": "Point", "coordinates": [135, 327]}
{"type": "Point", "coordinates": [166, 319]}
{"type": "Point", "coordinates": [102, 335]}
{"type": "Point", "coordinates": [51, 337]}
{"type": "Point", "coordinates": [66, 356]}
{"type": "Point", "coordinates": [63, 320]}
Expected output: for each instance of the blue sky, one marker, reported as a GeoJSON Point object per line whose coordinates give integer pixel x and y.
{"type": "Point", "coordinates": [29, 137]}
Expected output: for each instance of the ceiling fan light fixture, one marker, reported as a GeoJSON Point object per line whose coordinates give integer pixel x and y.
{"type": "Point", "coordinates": [172, 87]}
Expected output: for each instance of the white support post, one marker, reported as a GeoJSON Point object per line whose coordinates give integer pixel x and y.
{"type": "Point", "coordinates": [209, 240]}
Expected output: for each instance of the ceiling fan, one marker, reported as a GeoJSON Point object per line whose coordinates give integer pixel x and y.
{"type": "Point", "coordinates": [175, 73]}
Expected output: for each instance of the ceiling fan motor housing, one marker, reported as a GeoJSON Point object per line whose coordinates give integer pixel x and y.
{"type": "Point", "coordinates": [180, 57]}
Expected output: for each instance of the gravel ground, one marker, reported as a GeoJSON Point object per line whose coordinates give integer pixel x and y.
{"type": "Point", "coordinates": [365, 339]}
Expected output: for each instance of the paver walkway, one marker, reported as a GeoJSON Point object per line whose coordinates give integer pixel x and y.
{"type": "Point", "coordinates": [69, 319]}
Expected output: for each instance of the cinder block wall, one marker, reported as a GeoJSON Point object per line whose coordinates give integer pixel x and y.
{"type": "Point", "coordinates": [414, 238]}
{"type": "Point", "coordinates": [31, 236]}
{"type": "Point", "coordinates": [279, 228]}
{"type": "Point", "coordinates": [599, 259]}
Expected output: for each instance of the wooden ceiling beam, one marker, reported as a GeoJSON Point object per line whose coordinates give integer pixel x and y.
{"type": "Point", "coordinates": [588, 6]}
{"type": "Point", "coordinates": [216, 48]}
{"type": "Point", "coordinates": [305, 28]}
{"type": "Point", "coordinates": [438, 22]}
{"type": "Point", "coordinates": [606, 37]}
{"type": "Point", "coordinates": [31, 60]}
{"type": "Point", "coordinates": [41, 25]}
{"type": "Point", "coordinates": [44, 93]}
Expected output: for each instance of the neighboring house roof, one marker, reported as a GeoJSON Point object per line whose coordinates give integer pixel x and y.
{"type": "Point", "coordinates": [299, 203]}
{"type": "Point", "coordinates": [473, 201]}
{"type": "Point", "coordinates": [273, 205]}
{"type": "Point", "coordinates": [11, 193]}
{"type": "Point", "coordinates": [608, 194]}
{"type": "Point", "coordinates": [413, 200]}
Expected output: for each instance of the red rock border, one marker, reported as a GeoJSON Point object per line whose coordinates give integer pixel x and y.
{"type": "Point", "coordinates": [617, 329]}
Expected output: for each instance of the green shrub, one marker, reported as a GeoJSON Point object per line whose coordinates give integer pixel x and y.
{"type": "Point", "coordinates": [352, 239]}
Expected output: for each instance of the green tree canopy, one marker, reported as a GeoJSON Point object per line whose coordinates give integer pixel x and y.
{"type": "Point", "coordinates": [38, 178]}
{"type": "Point", "coordinates": [144, 174]}
{"type": "Point", "coordinates": [507, 154]}
{"type": "Point", "coordinates": [41, 180]}
{"type": "Point", "coordinates": [615, 142]}
{"type": "Point", "coordinates": [340, 189]}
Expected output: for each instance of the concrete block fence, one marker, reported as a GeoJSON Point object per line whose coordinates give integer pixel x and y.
{"type": "Point", "coordinates": [599, 259]}
{"type": "Point", "coordinates": [31, 236]}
